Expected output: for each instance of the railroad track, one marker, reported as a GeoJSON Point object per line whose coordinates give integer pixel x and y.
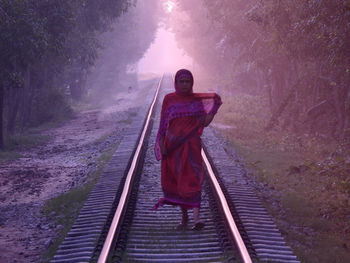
{"type": "Point", "coordinates": [117, 223]}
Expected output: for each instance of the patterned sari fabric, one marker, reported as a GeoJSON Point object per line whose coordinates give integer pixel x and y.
{"type": "Point", "coordinates": [181, 126]}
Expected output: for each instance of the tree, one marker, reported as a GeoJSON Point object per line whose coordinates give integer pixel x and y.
{"type": "Point", "coordinates": [294, 52]}
{"type": "Point", "coordinates": [40, 41]}
{"type": "Point", "coordinates": [123, 46]}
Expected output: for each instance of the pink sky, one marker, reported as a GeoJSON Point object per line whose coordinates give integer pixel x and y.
{"type": "Point", "coordinates": [164, 55]}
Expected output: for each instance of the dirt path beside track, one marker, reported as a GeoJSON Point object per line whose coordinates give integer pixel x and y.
{"type": "Point", "coordinates": [53, 168]}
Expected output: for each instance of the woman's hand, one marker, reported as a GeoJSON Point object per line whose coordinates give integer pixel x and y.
{"type": "Point", "coordinates": [163, 150]}
{"type": "Point", "coordinates": [208, 119]}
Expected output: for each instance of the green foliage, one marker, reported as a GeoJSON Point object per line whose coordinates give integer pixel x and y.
{"type": "Point", "coordinates": [304, 181]}
{"type": "Point", "coordinates": [48, 45]}
{"type": "Point", "coordinates": [273, 48]}
{"type": "Point", "coordinates": [66, 207]}
{"type": "Point", "coordinates": [20, 141]}
{"type": "Point", "coordinates": [292, 52]}
{"type": "Point", "coordinates": [25, 141]}
{"type": "Point", "coordinates": [50, 105]}
{"type": "Point", "coordinates": [8, 155]}
{"type": "Point", "coordinates": [127, 41]}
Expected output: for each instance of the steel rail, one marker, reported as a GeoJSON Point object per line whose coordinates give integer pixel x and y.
{"type": "Point", "coordinates": [122, 201]}
{"type": "Point", "coordinates": [229, 218]}
{"type": "Point", "coordinates": [228, 215]}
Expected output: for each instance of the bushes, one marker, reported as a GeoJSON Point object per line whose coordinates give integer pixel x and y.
{"type": "Point", "coordinates": [49, 106]}
{"type": "Point", "coordinates": [41, 42]}
{"type": "Point", "coordinates": [293, 51]}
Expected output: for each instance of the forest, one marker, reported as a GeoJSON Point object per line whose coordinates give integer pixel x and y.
{"type": "Point", "coordinates": [51, 53]}
{"type": "Point", "coordinates": [281, 67]}
{"type": "Point", "coordinates": [296, 53]}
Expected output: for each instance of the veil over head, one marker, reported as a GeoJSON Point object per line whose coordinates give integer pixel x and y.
{"type": "Point", "coordinates": [176, 106]}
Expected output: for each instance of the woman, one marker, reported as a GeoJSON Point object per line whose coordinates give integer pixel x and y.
{"type": "Point", "coordinates": [183, 118]}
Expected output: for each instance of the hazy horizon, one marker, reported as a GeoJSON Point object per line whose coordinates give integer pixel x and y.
{"type": "Point", "coordinates": [164, 55]}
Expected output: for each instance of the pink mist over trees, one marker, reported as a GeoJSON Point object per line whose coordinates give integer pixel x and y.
{"type": "Point", "coordinates": [48, 49]}
{"type": "Point", "coordinates": [296, 53]}
{"type": "Point", "coordinates": [122, 47]}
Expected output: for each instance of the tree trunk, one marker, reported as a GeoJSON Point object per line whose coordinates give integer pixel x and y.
{"type": "Point", "coordinates": [30, 101]}
{"type": "Point", "coordinates": [13, 106]}
{"type": "Point", "coordinates": [1, 117]}
{"type": "Point", "coordinates": [25, 98]}
{"type": "Point", "coordinates": [274, 119]}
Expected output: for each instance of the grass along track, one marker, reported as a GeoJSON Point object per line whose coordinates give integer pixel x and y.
{"type": "Point", "coordinates": [65, 208]}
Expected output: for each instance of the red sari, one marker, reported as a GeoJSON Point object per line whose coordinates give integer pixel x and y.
{"type": "Point", "coordinates": [181, 126]}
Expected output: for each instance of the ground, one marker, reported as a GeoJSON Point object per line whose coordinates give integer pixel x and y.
{"type": "Point", "coordinates": [44, 172]}
{"type": "Point", "coordinates": [301, 178]}
{"type": "Point", "coordinates": [52, 168]}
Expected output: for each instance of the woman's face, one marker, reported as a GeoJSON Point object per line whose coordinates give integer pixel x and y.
{"type": "Point", "coordinates": [184, 84]}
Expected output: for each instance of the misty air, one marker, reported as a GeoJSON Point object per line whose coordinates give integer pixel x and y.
{"type": "Point", "coordinates": [175, 131]}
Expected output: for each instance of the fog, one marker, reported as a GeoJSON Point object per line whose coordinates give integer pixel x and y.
{"type": "Point", "coordinates": [293, 55]}
{"type": "Point", "coordinates": [281, 68]}
{"type": "Point", "coordinates": [164, 55]}
{"type": "Point", "coordinates": [136, 51]}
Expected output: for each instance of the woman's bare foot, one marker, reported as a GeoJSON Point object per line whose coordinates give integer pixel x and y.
{"type": "Point", "coordinates": [197, 224]}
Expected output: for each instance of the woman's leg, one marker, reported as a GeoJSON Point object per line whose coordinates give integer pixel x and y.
{"type": "Point", "coordinates": [198, 225]}
{"type": "Point", "coordinates": [184, 220]}
{"type": "Point", "coordinates": [196, 215]}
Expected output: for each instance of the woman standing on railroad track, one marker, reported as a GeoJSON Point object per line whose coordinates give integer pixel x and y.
{"type": "Point", "coordinates": [183, 117]}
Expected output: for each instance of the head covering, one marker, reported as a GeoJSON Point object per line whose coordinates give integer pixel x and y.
{"type": "Point", "coordinates": [183, 73]}
{"type": "Point", "coordinates": [175, 105]}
